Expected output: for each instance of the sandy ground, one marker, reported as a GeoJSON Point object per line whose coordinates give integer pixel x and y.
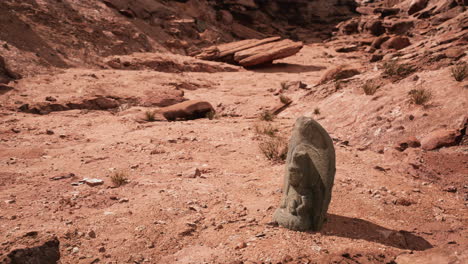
{"type": "Point", "coordinates": [223, 216]}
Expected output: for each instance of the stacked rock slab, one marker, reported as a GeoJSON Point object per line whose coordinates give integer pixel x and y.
{"type": "Point", "coordinates": [251, 52]}
{"type": "Point", "coordinates": [309, 176]}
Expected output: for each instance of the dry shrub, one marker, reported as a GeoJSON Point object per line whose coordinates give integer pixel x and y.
{"type": "Point", "coordinates": [212, 115]}
{"type": "Point", "coordinates": [459, 72]}
{"type": "Point", "coordinates": [119, 178]}
{"type": "Point", "coordinates": [274, 148]}
{"type": "Point", "coordinates": [395, 69]}
{"type": "Point", "coordinates": [370, 87]}
{"type": "Point", "coordinates": [317, 111]}
{"type": "Point", "coordinates": [150, 116]}
{"type": "Point", "coordinates": [420, 96]}
{"type": "Point", "coordinates": [266, 129]}
{"type": "Point", "coordinates": [267, 116]}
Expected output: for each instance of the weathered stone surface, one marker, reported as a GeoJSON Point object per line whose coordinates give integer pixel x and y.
{"type": "Point", "coordinates": [396, 42]}
{"type": "Point", "coordinates": [386, 11]}
{"type": "Point", "coordinates": [378, 41]}
{"type": "Point", "coordinates": [349, 27]}
{"type": "Point", "coordinates": [6, 74]}
{"type": "Point", "coordinates": [410, 142]}
{"type": "Point", "coordinates": [268, 52]}
{"type": "Point", "coordinates": [416, 5]}
{"type": "Point", "coordinates": [252, 52]}
{"type": "Point", "coordinates": [433, 256]}
{"type": "Point", "coordinates": [309, 176]}
{"type": "Point", "coordinates": [187, 110]}
{"type": "Point", "coordinates": [400, 27]}
{"type": "Point", "coordinates": [48, 252]}
{"type": "Point", "coordinates": [338, 73]}
{"type": "Point", "coordinates": [375, 27]}
{"type": "Point", "coordinates": [440, 138]}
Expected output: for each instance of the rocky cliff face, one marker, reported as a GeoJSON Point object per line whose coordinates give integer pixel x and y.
{"type": "Point", "coordinates": [72, 33]}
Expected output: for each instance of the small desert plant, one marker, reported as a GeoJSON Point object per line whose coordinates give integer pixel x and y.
{"type": "Point", "coordinates": [420, 96]}
{"type": "Point", "coordinates": [211, 115]}
{"type": "Point", "coordinates": [395, 69]}
{"type": "Point", "coordinates": [267, 116]}
{"type": "Point", "coordinates": [370, 87]}
{"type": "Point", "coordinates": [338, 85]}
{"type": "Point", "coordinates": [284, 85]}
{"type": "Point", "coordinates": [150, 116]}
{"type": "Point", "coordinates": [284, 99]}
{"type": "Point", "coordinates": [317, 111]}
{"type": "Point", "coordinates": [119, 178]}
{"type": "Point", "coordinates": [274, 148]}
{"type": "Point", "coordinates": [266, 129]}
{"type": "Point", "coordinates": [459, 72]}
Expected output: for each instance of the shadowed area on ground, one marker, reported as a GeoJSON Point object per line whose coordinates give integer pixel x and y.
{"type": "Point", "coordinates": [356, 228]}
{"type": "Point", "coordinates": [286, 67]}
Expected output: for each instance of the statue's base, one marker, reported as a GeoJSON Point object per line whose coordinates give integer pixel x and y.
{"type": "Point", "coordinates": [290, 221]}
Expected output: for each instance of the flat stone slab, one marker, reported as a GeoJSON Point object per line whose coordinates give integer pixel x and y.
{"type": "Point", "coordinates": [251, 52]}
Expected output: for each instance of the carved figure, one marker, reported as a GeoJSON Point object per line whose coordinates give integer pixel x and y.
{"type": "Point", "coordinates": [309, 176]}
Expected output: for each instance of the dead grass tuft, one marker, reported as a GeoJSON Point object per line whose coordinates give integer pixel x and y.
{"type": "Point", "coordinates": [395, 69]}
{"type": "Point", "coordinates": [265, 129]}
{"type": "Point", "coordinates": [420, 96]}
{"type": "Point", "coordinates": [266, 115]}
{"type": "Point", "coordinates": [459, 72]}
{"type": "Point", "coordinates": [150, 116]}
{"type": "Point", "coordinates": [370, 87]}
{"type": "Point", "coordinates": [274, 148]}
{"type": "Point", "coordinates": [119, 178]}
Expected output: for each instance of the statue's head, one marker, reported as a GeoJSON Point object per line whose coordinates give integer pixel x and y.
{"type": "Point", "coordinates": [297, 167]}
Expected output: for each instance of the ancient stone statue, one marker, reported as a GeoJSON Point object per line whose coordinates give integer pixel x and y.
{"type": "Point", "coordinates": [308, 180]}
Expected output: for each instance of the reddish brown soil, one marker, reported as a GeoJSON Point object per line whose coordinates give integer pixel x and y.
{"type": "Point", "coordinates": [386, 203]}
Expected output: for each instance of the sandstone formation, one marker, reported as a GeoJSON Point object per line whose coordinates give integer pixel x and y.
{"type": "Point", "coordinates": [252, 52]}
{"type": "Point", "coordinates": [188, 110]}
{"type": "Point", "coordinates": [309, 176]}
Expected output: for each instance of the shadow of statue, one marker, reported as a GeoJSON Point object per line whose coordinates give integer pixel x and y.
{"type": "Point", "coordinates": [285, 67]}
{"type": "Point", "coordinates": [356, 228]}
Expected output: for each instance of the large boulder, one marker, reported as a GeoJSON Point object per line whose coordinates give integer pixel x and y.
{"type": "Point", "coordinates": [252, 52]}
{"type": "Point", "coordinates": [188, 110]}
{"type": "Point", "coordinates": [440, 138]}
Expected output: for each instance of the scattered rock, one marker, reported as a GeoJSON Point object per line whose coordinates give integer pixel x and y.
{"type": "Point", "coordinates": [48, 252]}
{"type": "Point", "coordinates": [188, 110]}
{"type": "Point", "coordinates": [338, 73]}
{"type": "Point", "coordinates": [410, 142]}
{"type": "Point", "coordinates": [93, 182]}
{"type": "Point", "coordinates": [50, 99]}
{"type": "Point", "coordinates": [440, 138]}
{"type": "Point", "coordinates": [386, 11]}
{"type": "Point", "coordinates": [375, 27]}
{"type": "Point", "coordinates": [192, 173]}
{"type": "Point", "coordinates": [451, 189]}
{"type": "Point", "coordinates": [403, 202]}
{"type": "Point", "coordinates": [62, 176]}
{"type": "Point", "coordinates": [400, 27]}
{"type": "Point", "coordinates": [397, 42]}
